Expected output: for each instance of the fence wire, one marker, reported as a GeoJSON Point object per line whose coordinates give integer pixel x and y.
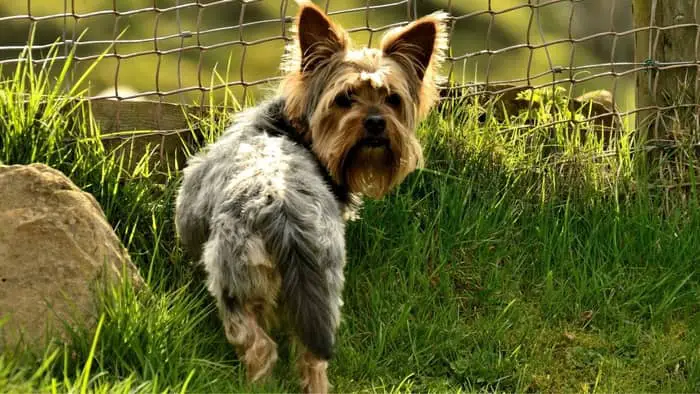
{"type": "Point", "coordinates": [181, 50]}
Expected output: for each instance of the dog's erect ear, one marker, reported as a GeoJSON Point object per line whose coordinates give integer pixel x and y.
{"type": "Point", "coordinates": [418, 46]}
{"type": "Point", "coordinates": [318, 37]}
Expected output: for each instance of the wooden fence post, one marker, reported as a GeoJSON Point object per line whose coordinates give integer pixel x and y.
{"type": "Point", "coordinates": [668, 35]}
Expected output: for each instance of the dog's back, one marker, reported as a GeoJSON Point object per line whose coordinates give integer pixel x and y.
{"type": "Point", "coordinates": [250, 149]}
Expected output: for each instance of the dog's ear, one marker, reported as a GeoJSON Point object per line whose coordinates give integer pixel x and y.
{"type": "Point", "coordinates": [318, 37]}
{"type": "Point", "coordinates": [418, 46]}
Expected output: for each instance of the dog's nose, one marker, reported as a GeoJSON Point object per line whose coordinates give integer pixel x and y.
{"type": "Point", "coordinates": [375, 124]}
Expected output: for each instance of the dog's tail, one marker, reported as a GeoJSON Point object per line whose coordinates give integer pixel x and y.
{"type": "Point", "coordinates": [308, 293]}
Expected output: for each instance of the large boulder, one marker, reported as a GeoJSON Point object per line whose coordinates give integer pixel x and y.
{"type": "Point", "coordinates": [55, 247]}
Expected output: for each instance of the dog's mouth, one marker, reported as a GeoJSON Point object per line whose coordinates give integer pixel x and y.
{"type": "Point", "coordinates": [363, 145]}
{"type": "Point", "coordinates": [373, 142]}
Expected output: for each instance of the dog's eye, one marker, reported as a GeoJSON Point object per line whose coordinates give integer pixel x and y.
{"type": "Point", "coordinates": [393, 99]}
{"type": "Point", "coordinates": [344, 100]}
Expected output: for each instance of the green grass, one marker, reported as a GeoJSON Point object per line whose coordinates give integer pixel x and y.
{"type": "Point", "coordinates": [499, 267]}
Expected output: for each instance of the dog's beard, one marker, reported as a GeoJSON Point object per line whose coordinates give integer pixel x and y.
{"type": "Point", "coordinates": [370, 167]}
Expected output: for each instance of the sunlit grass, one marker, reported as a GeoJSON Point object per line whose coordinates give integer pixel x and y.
{"type": "Point", "coordinates": [512, 262]}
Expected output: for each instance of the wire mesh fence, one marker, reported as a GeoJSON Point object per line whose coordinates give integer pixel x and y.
{"type": "Point", "coordinates": [181, 50]}
{"type": "Point", "coordinates": [170, 48]}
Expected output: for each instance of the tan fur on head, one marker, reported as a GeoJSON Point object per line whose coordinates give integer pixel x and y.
{"type": "Point", "coordinates": [331, 89]}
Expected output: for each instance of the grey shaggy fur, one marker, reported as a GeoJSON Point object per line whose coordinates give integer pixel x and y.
{"type": "Point", "coordinates": [260, 185]}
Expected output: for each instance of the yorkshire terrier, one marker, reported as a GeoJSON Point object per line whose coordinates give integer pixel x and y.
{"type": "Point", "coordinates": [264, 208]}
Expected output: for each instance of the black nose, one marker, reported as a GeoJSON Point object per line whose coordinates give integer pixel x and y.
{"type": "Point", "coordinates": [375, 124]}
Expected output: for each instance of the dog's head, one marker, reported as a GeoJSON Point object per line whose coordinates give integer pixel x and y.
{"type": "Point", "coordinates": [360, 107]}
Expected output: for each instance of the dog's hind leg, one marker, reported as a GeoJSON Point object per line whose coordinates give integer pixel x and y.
{"type": "Point", "coordinates": [245, 285]}
{"type": "Point", "coordinates": [313, 373]}
{"type": "Point", "coordinates": [253, 345]}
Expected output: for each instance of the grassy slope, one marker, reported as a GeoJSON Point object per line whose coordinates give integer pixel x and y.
{"type": "Point", "coordinates": [473, 276]}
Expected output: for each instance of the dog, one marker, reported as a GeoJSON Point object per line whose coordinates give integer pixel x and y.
{"type": "Point", "coordinates": [264, 207]}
